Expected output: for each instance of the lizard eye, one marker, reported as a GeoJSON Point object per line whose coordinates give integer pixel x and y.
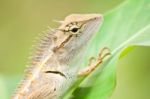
{"type": "Point", "coordinates": [74, 29]}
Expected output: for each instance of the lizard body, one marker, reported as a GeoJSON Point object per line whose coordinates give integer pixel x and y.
{"type": "Point", "coordinates": [51, 70]}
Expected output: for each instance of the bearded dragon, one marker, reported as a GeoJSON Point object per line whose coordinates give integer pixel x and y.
{"type": "Point", "coordinates": [53, 69]}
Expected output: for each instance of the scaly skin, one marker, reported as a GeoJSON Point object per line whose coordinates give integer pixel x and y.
{"type": "Point", "coordinates": [52, 69]}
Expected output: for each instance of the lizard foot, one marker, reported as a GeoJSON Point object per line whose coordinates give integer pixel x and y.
{"type": "Point", "coordinates": [104, 52]}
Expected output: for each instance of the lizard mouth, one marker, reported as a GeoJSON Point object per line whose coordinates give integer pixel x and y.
{"type": "Point", "coordinates": [90, 29]}
{"type": "Point", "coordinates": [93, 25]}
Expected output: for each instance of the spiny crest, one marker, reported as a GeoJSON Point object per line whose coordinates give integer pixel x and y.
{"type": "Point", "coordinates": [45, 41]}
{"type": "Point", "coordinates": [19, 87]}
{"type": "Point", "coordinates": [39, 51]}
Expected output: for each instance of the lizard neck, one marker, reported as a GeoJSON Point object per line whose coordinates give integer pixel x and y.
{"type": "Point", "coordinates": [72, 49]}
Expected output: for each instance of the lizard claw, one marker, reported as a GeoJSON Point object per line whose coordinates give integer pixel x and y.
{"type": "Point", "coordinates": [104, 52]}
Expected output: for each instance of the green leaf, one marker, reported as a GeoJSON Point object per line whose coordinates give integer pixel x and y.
{"type": "Point", "coordinates": [126, 25]}
{"type": "Point", "coordinates": [7, 85]}
{"type": "Point", "coordinates": [3, 91]}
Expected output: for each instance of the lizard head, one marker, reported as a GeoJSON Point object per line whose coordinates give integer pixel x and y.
{"type": "Point", "coordinates": [79, 24]}
{"type": "Point", "coordinates": [81, 27]}
{"type": "Point", "coordinates": [77, 30]}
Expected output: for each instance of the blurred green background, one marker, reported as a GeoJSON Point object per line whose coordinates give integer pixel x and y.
{"type": "Point", "coordinates": [22, 20]}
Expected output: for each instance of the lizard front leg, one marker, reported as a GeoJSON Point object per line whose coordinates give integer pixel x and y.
{"type": "Point", "coordinates": [91, 67]}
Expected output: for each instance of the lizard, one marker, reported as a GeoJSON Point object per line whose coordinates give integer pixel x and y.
{"type": "Point", "coordinates": [53, 69]}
